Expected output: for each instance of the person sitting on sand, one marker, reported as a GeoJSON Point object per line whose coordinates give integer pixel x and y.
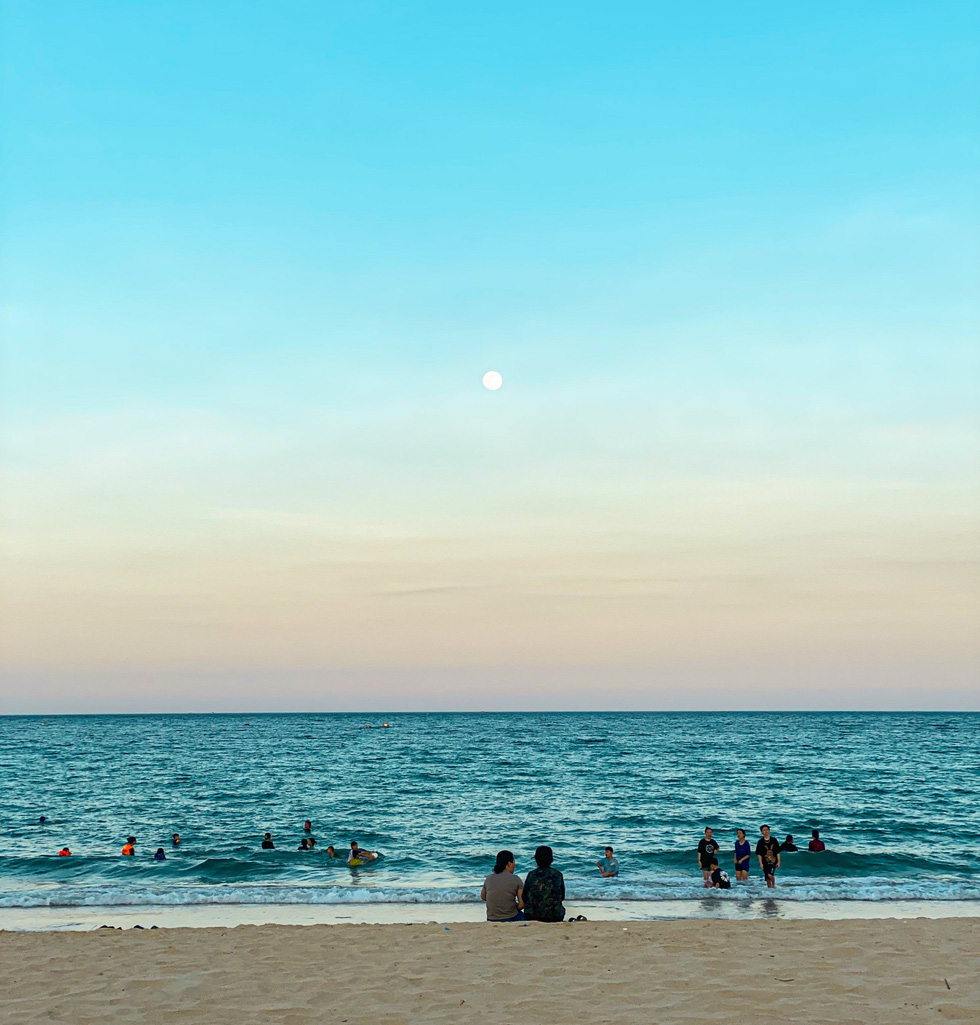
{"type": "Point", "coordinates": [767, 851]}
{"type": "Point", "coordinates": [503, 892]}
{"type": "Point", "coordinates": [544, 889]}
{"type": "Point", "coordinates": [719, 880]}
{"type": "Point", "coordinates": [267, 844]}
{"type": "Point", "coordinates": [64, 853]}
{"type": "Point", "coordinates": [743, 858]}
{"type": "Point", "coordinates": [129, 847]}
{"type": "Point", "coordinates": [175, 840]}
{"type": "Point", "coordinates": [159, 856]}
{"type": "Point", "coordinates": [609, 865]}
{"type": "Point", "coordinates": [816, 844]}
{"type": "Point", "coordinates": [787, 844]}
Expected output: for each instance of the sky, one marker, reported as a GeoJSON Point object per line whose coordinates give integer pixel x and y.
{"type": "Point", "coordinates": [255, 260]}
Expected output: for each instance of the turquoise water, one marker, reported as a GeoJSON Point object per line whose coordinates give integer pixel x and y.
{"type": "Point", "coordinates": [895, 796]}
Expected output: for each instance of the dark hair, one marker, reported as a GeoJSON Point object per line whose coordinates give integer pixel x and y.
{"type": "Point", "coordinates": [789, 837]}
{"type": "Point", "coordinates": [815, 833]}
{"type": "Point", "coordinates": [130, 839]}
{"type": "Point", "coordinates": [608, 848]}
{"type": "Point", "coordinates": [504, 858]}
{"type": "Point", "coordinates": [268, 836]}
{"type": "Point", "coordinates": [763, 826]}
{"type": "Point", "coordinates": [713, 863]}
{"type": "Point", "coordinates": [544, 856]}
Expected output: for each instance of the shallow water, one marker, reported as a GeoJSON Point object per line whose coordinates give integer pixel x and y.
{"type": "Point", "coordinates": [896, 797]}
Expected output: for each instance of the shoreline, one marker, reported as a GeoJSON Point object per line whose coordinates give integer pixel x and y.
{"type": "Point", "coordinates": [229, 916]}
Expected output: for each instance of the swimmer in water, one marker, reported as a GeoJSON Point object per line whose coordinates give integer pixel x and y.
{"type": "Point", "coordinates": [42, 820]}
{"type": "Point", "coordinates": [175, 839]}
{"type": "Point", "coordinates": [312, 842]}
{"type": "Point", "coordinates": [267, 844]}
{"type": "Point", "coordinates": [332, 851]}
{"type": "Point", "coordinates": [308, 826]}
{"type": "Point", "coordinates": [159, 856]}
{"type": "Point", "coordinates": [304, 845]}
{"type": "Point", "coordinates": [358, 855]}
{"type": "Point", "coordinates": [129, 847]}
{"type": "Point", "coordinates": [64, 853]}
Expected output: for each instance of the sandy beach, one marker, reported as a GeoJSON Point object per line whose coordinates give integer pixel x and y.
{"type": "Point", "coordinates": [890, 971]}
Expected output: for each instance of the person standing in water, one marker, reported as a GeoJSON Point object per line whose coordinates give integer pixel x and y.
{"type": "Point", "coordinates": [65, 852]}
{"type": "Point", "coordinates": [609, 865]}
{"type": "Point", "coordinates": [707, 849]}
{"type": "Point", "coordinates": [129, 847]}
{"type": "Point", "coordinates": [767, 851]}
{"type": "Point", "coordinates": [159, 856]}
{"type": "Point", "coordinates": [267, 844]}
{"type": "Point", "coordinates": [816, 844]}
{"type": "Point", "coordinates": [503, 891]}
{"type": "Point", "coordinates": [175, 840]}
{"type": "Point", "coordinates": [788, 845]}
{"type": "Point", "coordinates": [743, 856]}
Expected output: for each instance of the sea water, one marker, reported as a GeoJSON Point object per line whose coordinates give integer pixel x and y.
{"type": "Point", "coordinates": [896, 798]}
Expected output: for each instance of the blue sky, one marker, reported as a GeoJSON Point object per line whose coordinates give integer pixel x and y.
{"type": "Point", "coordinates": [256, 260]}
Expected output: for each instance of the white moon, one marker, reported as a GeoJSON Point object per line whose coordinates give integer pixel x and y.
{"type": "Point", "coordinates": [492, 380]}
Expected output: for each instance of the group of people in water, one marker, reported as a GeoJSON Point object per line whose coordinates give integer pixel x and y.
{"type": "Point", "coordinates": [768, 851]}
{"type": "Point", "coordinates": [355, 857]}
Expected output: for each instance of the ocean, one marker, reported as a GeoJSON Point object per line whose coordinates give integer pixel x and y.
{"type": "Point", "coordinates": [896, 797]}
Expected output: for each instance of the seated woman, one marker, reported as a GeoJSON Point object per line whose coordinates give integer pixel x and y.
{"type": "Point", "coordinates": [544, 890]}
{"type": "Point", "coordinates": [502, 891]}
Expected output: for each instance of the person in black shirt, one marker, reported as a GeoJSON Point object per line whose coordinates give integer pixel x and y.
{"type": "Point", "coordinates": [767, 851]}
{"type": "Point", "coordinates": [267, 844]}
{"type": "Point", "coordinates": [787, 844]}
{"type": "Point", "coordinates": [707, 849]}
{"type": "Point", "coordinates": [719, 880]}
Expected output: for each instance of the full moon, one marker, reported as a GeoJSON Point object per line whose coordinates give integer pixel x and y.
{"type": "Point", "coordinates": [492, 380]}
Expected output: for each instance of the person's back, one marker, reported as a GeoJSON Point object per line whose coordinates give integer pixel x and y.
{"type": "Point", "coordinates": [502, 891]}
{"type": "Point", "coordinates": [544, 891]}
{"type": "Point", "coordinates": [267, 844]}
{"type": "Point", "coordinates": [816, 844]}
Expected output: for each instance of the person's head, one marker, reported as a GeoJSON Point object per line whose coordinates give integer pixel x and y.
{"type": "Point", "coordinates": [304, 843]}
{"type": "Point", "coordinates": [764, 830]}
{"type": "Point", "coordinates": [130, 839]}
{"type": "Point", "coordinates": [609, 852]}
{"type": "Point", "coordinates": [65, 850]}
{"type": "Point", "coordinates": [707, 832]}
{"type": "Point", "coordinates": [505, 862]}
{"type": "Point", "coordinates": [353, 845]}
{"type": "Point", "coordinates": [713, 863]}
{"type": "Point", "coordinates": [176, 837]}
{"type": "Point", "coordinates": [331, 851]}
{"type": "Point", "coordinates": [268, 836]}
{"type": "Point", "coordinates": [159, 850]}
{"type": "Point", "coordinates": [815, 833]}
{"type": "Point", "coordinates": [789, 837]}
{"type": "Point", "coordinates": [43, 818]}
{"type": "Point", "coordinates": [544, 856]}
{"type": "Point", "coordinates": [740, 833]}
{"type": "Point", "coordinates": [307, 825]}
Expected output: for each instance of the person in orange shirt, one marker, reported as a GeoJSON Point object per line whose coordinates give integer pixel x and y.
{"type": "Point", "coordinates": [64, 853]}
{"type": "Point", "coordinates": [129, 848]}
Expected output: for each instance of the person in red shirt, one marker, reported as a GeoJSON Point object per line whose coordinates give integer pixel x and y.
{"type": "Point", "coordinates": [64, 853]}
{"type": "Point", "coordinates": [816, 844]}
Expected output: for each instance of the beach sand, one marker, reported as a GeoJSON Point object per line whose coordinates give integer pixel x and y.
{"type": "Point", "coordinates": [749, 972]}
